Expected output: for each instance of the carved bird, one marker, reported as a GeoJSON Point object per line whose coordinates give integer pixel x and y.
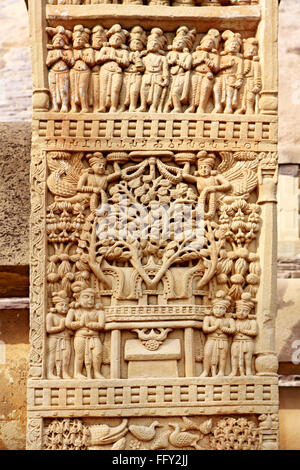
{"type": "Point", "coordinates": [189, 425]}
{"type": "Point", "coordinates": [205, 428]}
{"type": "Point", "coordinates": [182, 439]}
{"type": "Point", "coordinates": [103, 434]}
{"type": "Point", "coordinates": [161, 442]}
{"type": "Point", "coordinates": [65, 170]}
{"type": "Point", "coordinates": [144, 433]}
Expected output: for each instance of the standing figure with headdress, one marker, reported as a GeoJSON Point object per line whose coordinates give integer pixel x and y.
{"type": "Point", "coordinates": [87, 319]}
{"type": "Point", "coordinates": [242, 347]}
{"type": "Point", "coordinates": [230, 77]}
{"type": "Point", "coordinates": [92, 184]}
{"type": "Point", "coordinates": [81, 73]}
{"type": "Point", "coordinates": [98, 40]}
{"type": "Point", "coordinates": [59, 338]}
{"type": "Point", "coordinates": [217, 328]}
{"type": "Point", "coordinates": [156, 75]}
{"type": "Point", "coordinates": [252, 78]}
{"type": "Point", "coordinates": [59, 60]}
{"type": "Point", "coordinates": [208, 182]}
{"type": "Point", "coordinates": [114, 57]}
{"type": "Point", "coordinates": [180, 62]}
{"type": "Point", "coordinates": [206, 60]}
{"type": "Point", "coordinates": [132, 78]}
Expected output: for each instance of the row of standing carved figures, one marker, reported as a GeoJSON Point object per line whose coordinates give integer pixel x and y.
{"type": "Point", "coordinates": [156, 2]}
{"type": "Point", "coordinates": [86, 319]}
{"type": "Point", "coordinates": [117, 70]}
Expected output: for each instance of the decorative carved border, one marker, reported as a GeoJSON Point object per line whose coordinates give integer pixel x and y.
{"type": "Point", "coordinates": [37, 263]}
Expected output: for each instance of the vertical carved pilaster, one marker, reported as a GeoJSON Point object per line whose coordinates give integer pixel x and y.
{"type": "Point", "coordinates": [266, 362]}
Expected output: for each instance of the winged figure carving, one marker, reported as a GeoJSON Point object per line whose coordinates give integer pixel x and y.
{"type": "Point", "coordinates": [240, 169]}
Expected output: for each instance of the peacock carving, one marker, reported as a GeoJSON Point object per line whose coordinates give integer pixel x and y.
{"type": "Point", "coordinates": [66, 168]}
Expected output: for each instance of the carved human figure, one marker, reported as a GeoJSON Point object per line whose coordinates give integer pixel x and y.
{"type": "Point", "coordinates": [180, 62]}
{"type": "Point", "coordinates": [80, 74]}
{"type": "Point", "coordinates": [133, 73]}
{"type": "Point", "coordinates": [217, 329]}
{"type": "Point", "coordinates": [230, 77]}
{"type": "Point", "coordinates": [87, 319]}
{"type": "Point", "coordinates": [59, 338]}
{"type": "Point", "coordinates": [93, 182]}
{"type": "Point", "coordinates": [156, 75]}
{"type": "Point", "coordinates": [242, 347]}
{"type": "Point", "coordinates": [98, 40]}
{"type": "Point", "coordinates": [59, 60]}
{"type": "Point", "coordinates": [114, 57]}
{"type": "Point", "coordinates": [206, 61]}
{"type": "Point", "coordinates": [208, 182]}
{"type": "Point", "coordinates": [252, 78]}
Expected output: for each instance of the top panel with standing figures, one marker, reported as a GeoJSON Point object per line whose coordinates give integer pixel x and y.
{"type": "Point", "coordinates": [119, 70]}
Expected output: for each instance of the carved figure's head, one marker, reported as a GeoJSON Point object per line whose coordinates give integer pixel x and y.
{"type": "Point", "coordinates": [97, 162]}
{"type": "Point", "coordinates": [244, 306]}
{"type": "Point", "coordinates": [98, 37]}
{"type": "Point", "coordinates": [60, 37]}
{"type": "Point", "coordinates": [117, 36]}
{"type": "Point", "coordinates": [233, 42]}
{"type": "Point", "coordinates": [87, 298]}
{"type": "Point", "coordinates": [61, 302]}
{"type": "Point", "coordinates": [220, 304]}
{"type": "Point", "coordinates": [250, 48]}
{"type": "Point", "coordinates": [184, 38]}
{"type": "Point", "coordinates": [205, 163]}
{"type": "Point", "coordinates": [156, 40]}
{"type": "Point", "coordinates": [81, 37]}
{"type": "Point", "coordinates": [210, 41]}
{"type": "Point", "coordinates": [137, 39]}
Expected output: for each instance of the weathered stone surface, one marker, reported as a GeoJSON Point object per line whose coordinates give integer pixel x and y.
{"type": "Point", "coordinates": [14, 350]}
{"type": "Point", "coordinates": [289, 82]}
{"type": "Point", "coordinates": [288, 320]}
{"type": "Point", "coordinates": [289, 417]}
{"type": "Point", "coordinates": [14, 193]}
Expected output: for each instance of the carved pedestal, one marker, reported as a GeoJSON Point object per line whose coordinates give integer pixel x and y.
{"type": "Point", "coordinates": [153, 227]}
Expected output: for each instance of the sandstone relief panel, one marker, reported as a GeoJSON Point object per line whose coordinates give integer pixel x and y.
{"type": "Point", "coordinates": [154, 172]}
{"type": "Point", "coordinates": [118, 70]}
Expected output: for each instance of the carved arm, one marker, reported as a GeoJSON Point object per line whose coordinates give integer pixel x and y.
{"type": "Point", "coordinates": [70, 323]}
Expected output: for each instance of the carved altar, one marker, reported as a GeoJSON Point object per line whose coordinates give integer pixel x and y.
{"type": "Point", "coordinates": [153, 227]}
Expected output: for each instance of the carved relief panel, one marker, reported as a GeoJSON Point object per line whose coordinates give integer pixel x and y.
{"type": "Point", "coordinates": [154, 172]}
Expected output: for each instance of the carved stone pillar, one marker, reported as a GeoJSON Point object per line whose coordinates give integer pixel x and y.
{"type": "Point", "coordinates": [153, 227]}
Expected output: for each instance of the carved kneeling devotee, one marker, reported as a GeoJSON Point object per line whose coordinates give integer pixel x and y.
{"type": "Point", "coordinates": [59, 338]}
{"type": "Point", "coordinates": [242, 347]}
{"type": "Point", "coordinates": [87, 320]}
{"type": "Point", "coordinates": [217, 328]}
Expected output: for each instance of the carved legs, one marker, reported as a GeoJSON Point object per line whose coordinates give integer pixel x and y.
{"type": "Point", "coordinates": [79, 90]}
